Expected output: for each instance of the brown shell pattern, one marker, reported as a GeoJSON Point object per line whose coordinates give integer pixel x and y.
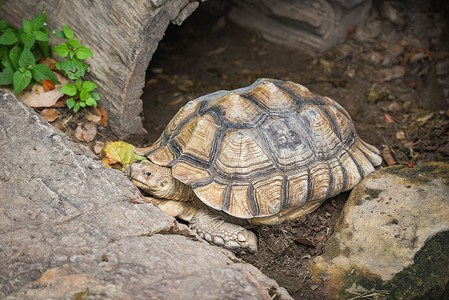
{"type": "Point", "coordinates": [263, 149]}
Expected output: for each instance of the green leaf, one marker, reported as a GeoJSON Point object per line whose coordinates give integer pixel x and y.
{"type": "Point", "coordinates": [3, 25]}
{"type": "Point", "coordinates": [6, 62]}
{"type": "Point", "coordinates": [73, 68]}
{"type": "Point", "coordinates": [8, 38]}
{"type": "Point", "coordinates": [73, 43]}
{"type": "Point", "coordinates": [39, 21]}
{"type": "Point", "coordinates": [58, 65]}
{"type": "Point", "coordinates": [41, 36]}
{"type": "Point", "coordinates": [27, 26]}
{"type": "Point", "coordinates": [4, 51]}
{"type": "Point", "coordinates": [76, 107]}
{"type": "Point", "coordinates": [89, 86]}
{"type": "Point", "coordinates": [95, 95]}
{"type": "Point", "coordinates": [84, 94]}
{"type": "Point", "coordinates": [79, 83]}
{"type": "Point", "coordinates": [62, 50]}
{"type": "Point", "coordinates": [21, 81]}
{"type": "Point", "coordinates": [68, 32]}
{"type": "Point", "coordinates": [27, 40]}
{"type": "Point", "coordinates": [69, 89]}
{"type": "Point", "coordinates": [6, 77]}
{"type": "Point", "coordinates": [42, 71]}
{"type": "Point", "coordinates": [37, 53]}
{"type": "Point", "coordinates": [82, 103]}
{"type": "Point", "coordinates": [26, 59]}
{"type": "Point", "coordinates": [71, 53]}
{"type": "Point", "coordinates": [59, 33]}
{"type": "Point", "coordinates": [45, 48]}
{"type": "Point", "coordinates": [83, 52]}
{"type": "Point", "coordinates": [14, 56]}
{"type": "Point", "coordinates": [70, 103]}
{"type": "Point", "coordinates": [91, 101]}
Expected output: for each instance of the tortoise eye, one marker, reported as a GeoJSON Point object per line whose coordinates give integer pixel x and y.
{"type": "Point", "coordinates": [148, 174]}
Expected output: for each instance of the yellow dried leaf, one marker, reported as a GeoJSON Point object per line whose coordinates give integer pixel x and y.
{"type": "Point", "coordinates": [121, 152]}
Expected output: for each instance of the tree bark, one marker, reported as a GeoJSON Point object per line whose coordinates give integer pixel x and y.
{"type": "Point", "coordinates": [123, 35]}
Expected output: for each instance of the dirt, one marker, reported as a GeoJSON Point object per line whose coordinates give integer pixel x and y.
{"type": "Point", "coordinates": [406, 117]}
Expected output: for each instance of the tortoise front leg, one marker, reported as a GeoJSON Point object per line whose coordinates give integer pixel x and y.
{"type": "Point", "coordinates": [213, 227]}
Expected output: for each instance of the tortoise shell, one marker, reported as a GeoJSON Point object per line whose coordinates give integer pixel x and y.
{"type": "Point", "coordinates": [263, 149]}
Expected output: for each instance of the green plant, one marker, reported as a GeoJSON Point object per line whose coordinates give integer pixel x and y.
{"type": "Point", "coordinates": [20, 49]}
{"type": "Point", "coordinates": [82, 92]}
{"type": "Point", "coordinates": [73, 67]}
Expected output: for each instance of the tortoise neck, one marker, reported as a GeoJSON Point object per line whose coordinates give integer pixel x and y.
{"type": "Point", "coordinates": [181, 191]}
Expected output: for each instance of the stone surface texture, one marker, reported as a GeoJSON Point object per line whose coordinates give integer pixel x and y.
{"type": "Point", "coordinates": [123, 35]}
{"type": "Point", "coordinates": [69, 225]}
{"type": "Point", "coordinates": [387, 231]}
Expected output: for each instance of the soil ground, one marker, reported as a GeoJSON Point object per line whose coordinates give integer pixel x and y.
{"type": "Point", "coordinates": [406, 117]}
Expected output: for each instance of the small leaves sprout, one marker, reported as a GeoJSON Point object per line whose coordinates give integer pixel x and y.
{"type": "Point", "coordinates": [82, 92]}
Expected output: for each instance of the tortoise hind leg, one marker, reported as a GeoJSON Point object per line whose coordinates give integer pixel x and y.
{"type": "Point", "coordinates": [213, 227]}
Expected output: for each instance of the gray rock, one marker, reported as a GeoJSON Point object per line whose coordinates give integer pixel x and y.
{"type": "Point", "coordinates": [392, 238]}
{"type": "Point", "coordinates": [68, 226]}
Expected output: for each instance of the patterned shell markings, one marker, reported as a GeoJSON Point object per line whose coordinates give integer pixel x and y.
{"type": "Point", "coordinates": [263, 149]}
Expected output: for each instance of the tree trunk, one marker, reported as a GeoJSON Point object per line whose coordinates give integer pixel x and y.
{"type": "Point", "coordinates": [123, 36]}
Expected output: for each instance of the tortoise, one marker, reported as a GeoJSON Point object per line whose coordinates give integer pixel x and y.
{"type": "Point", "coordinates": [262, 154]}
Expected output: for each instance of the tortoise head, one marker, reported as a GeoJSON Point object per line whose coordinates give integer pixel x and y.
{"type": "Point", "coordinates": [151, 178]}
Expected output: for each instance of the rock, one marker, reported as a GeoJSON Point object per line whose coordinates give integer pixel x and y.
{"type": "Point", "coordinates": [392, 239]}
{"type": "Point", "coordinates": [70, 227]}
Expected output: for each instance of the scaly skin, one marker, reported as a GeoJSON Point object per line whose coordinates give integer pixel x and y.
{"type": "Point", "coordinates": [179, 200]}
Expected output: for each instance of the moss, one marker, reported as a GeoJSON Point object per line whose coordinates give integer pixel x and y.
{"type": "Point", "coordinates": [428, 277]}
{"type": "Point", "coordinates": [372, 193]}
{"type": "Point", "coordinates": [421, 174]}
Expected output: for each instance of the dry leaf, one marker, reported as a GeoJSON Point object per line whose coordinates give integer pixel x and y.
{"type": "Point", "coordinates": [35, 98]}
{"type": "Point", "coordinates": [394, 107]}
{"type": "Point", "coordinates": [351, 32]}
{"type": "Point", "coordinates": [305, 241]}
{"type": "Point", "coordinates": [121, 152]}
{"type": "Point", "coordinates": [388, 158]}
{"type": "Point", "coordinates": [104, 117]}
{"type": "Point", "coordinates": [48, 85]}
{"type": "Point", "coordinates": [59, 104]}
{"type": "Point", "coordinates": [400, 135]}
{"type": "Point", "coordinates": [390, 74]}
{"type": "Point", "coordinates": [417, 57]}
{"type": "Point", "coordinates": [93, 117]}
{"type": "Point", "coordinates": [389, 118]}
{"type": "Point", "coordinates": [86, 132]}
{"type": "Point", "coordinates": [423, 119]}
{"type": "Point", "coordinates": [108, 162]}
{"type": "Point", "coordinates": [49, 114]}
{"type": "Point", "coordinates": [99, 145]}
{"type": "Point", "coordinates": [48, 61]}
{"type": "Point", "coordinates": [59, 125]}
